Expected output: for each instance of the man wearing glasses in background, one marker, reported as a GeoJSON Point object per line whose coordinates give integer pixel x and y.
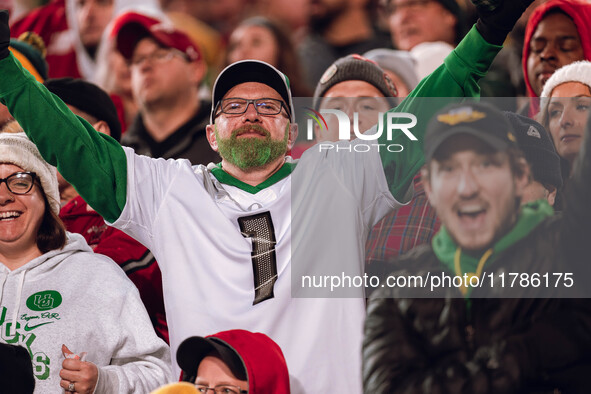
{"type": "Point", "coordinates": [230, 237]}
{"type": "Point", "coordinates": [166, 71]}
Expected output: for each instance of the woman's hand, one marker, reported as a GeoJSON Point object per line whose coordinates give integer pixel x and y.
{"type": "Point", "coordinates": [77, 376]}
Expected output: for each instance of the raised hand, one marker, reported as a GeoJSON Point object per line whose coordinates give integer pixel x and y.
{"type": "Point", "coordinates": [78, 376]}
{"type": "Point", "coordinates": [496, 18]}
{"type": "Point", "coordinates": [4, 34]}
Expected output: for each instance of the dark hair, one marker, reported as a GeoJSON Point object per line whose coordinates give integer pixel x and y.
{"type": "Point", "coordinates": [287, 59]}
{"type": "Point", "coordinates": [554, 11]}
{"type": "Point", "coordinates": [52, 232]}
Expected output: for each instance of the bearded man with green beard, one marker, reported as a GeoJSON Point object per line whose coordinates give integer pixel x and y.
{"type": "Point", "coordinates": [249, 154]}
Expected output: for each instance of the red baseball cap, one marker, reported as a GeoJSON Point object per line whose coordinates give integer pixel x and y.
{"type": "Point", "coordinates": [129, 28]}
{"type": "Point", "coordinates": [251, 356]}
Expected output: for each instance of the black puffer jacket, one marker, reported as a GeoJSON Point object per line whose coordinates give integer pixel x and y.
{"type": "Point", "coordinates": [489, 344]}
{"type": "Point", "coordinates": [442, 345]}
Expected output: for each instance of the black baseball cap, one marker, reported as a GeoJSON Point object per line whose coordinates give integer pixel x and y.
{"type": "Point", "coordinates": [194, 349]}
{"type": "Point", "coordinates": [251, 71]}
{"type": "Point", "coordinates": [480, 120]}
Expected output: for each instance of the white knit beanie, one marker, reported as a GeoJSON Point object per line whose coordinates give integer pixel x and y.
{"type": "Point", "coordinates": [17, 149]}
{"type": "Point", "coordinates": [574, 72]}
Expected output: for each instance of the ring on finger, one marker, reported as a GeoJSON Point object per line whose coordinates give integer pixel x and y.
{"type": "Point", "coordinates": [71, 387]}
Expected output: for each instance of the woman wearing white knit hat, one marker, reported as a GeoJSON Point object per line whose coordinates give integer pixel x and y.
{"type": "Point", "coordinates": [566, 101]}
{"type": "Point", "coordinates": [58, 298]}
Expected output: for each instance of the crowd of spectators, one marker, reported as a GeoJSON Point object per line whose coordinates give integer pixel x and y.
{"type": "Point", "coordinates": [157, 75]}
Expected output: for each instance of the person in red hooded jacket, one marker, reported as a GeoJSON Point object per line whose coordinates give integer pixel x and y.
{"type": "Point", "coordinates": [558, 33]}
{"type": "Point", "coordinates": [233, 361]}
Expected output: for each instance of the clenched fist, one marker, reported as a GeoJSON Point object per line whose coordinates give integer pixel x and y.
{"type": "Point", "coordinates": [4, 34]}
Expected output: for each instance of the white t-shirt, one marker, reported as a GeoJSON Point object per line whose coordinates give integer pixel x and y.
{"type": "Point", "coordinates": [321, 214]}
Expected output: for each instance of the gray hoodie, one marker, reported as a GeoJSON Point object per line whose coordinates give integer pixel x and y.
{"type": "Point", "coordinates": [85, 301]}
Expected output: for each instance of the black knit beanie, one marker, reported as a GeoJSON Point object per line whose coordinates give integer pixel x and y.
{"type": "Point", "coordinates": [535, 142]}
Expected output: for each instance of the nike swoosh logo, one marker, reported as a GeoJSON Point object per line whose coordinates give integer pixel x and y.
{"type": "Point", "coordinates": [29, 328]}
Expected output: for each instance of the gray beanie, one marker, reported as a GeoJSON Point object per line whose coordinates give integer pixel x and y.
{"type": "Point", "coordinates": [17, 149]}
{"type": "Point", "coordinates": [535, 142]}
{"type": "Point", "coordinates": [355, 68]}
{"type": "Point", "coordinates": [401, 63]}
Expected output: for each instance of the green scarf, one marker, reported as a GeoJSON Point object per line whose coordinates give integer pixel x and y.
{"type": "Point", "coordinates": [445, 248]}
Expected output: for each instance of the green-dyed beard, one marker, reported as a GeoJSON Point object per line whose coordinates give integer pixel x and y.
{"type": "Point", "coordinates": [251, 153]}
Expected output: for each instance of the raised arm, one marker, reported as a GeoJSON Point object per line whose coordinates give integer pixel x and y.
{"type": "Point", "coordinates": [457, 77]}
{"type": "Point", "coordinates": [93, 162]}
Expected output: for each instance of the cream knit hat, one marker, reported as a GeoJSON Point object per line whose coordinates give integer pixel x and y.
{"type": "Point", "coordinates": [17, 149]}
{"type": "Point", "coordinates": [575, 72]}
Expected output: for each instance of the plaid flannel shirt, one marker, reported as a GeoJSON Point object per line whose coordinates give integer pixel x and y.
{"type": "Point", "coordinates": [400, 231]}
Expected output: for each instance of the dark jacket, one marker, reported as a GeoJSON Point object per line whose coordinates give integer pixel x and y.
{"type": "Point", "coordinates": [188, 142]}
{"type": "Point", "coordinates": [481, 345]}
{"type": "Point", "coordinates": [488, 343]}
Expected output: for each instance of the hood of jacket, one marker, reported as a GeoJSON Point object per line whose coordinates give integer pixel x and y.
{"type": "Point", "coordinates": [38, 267]}
{"type": "Point", "coordinates": [86, 64]}
{"type": "Point", "coordinates": [579, 11]}
{"type": "Point", "coordinates": [263, 359]}
{"type": "Point", "coordinates": [452, 257]}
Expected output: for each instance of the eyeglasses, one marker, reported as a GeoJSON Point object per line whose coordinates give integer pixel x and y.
{"type": "Point", "coordinates": [221, 389]}
{"type": "Point", "coordinates": [238, 106]}
{"type": "Point", "coordinates": [161, 55]}
{"type": "Point", "coordinates": [409, 4]}
{"type": "Point", "coordinates": [357, 104]}
{"type": "Point", "coordinates": [19, 182]}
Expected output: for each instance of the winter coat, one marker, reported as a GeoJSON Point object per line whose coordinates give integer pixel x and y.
{"type": "Point", "coordinates": [498, 338]}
